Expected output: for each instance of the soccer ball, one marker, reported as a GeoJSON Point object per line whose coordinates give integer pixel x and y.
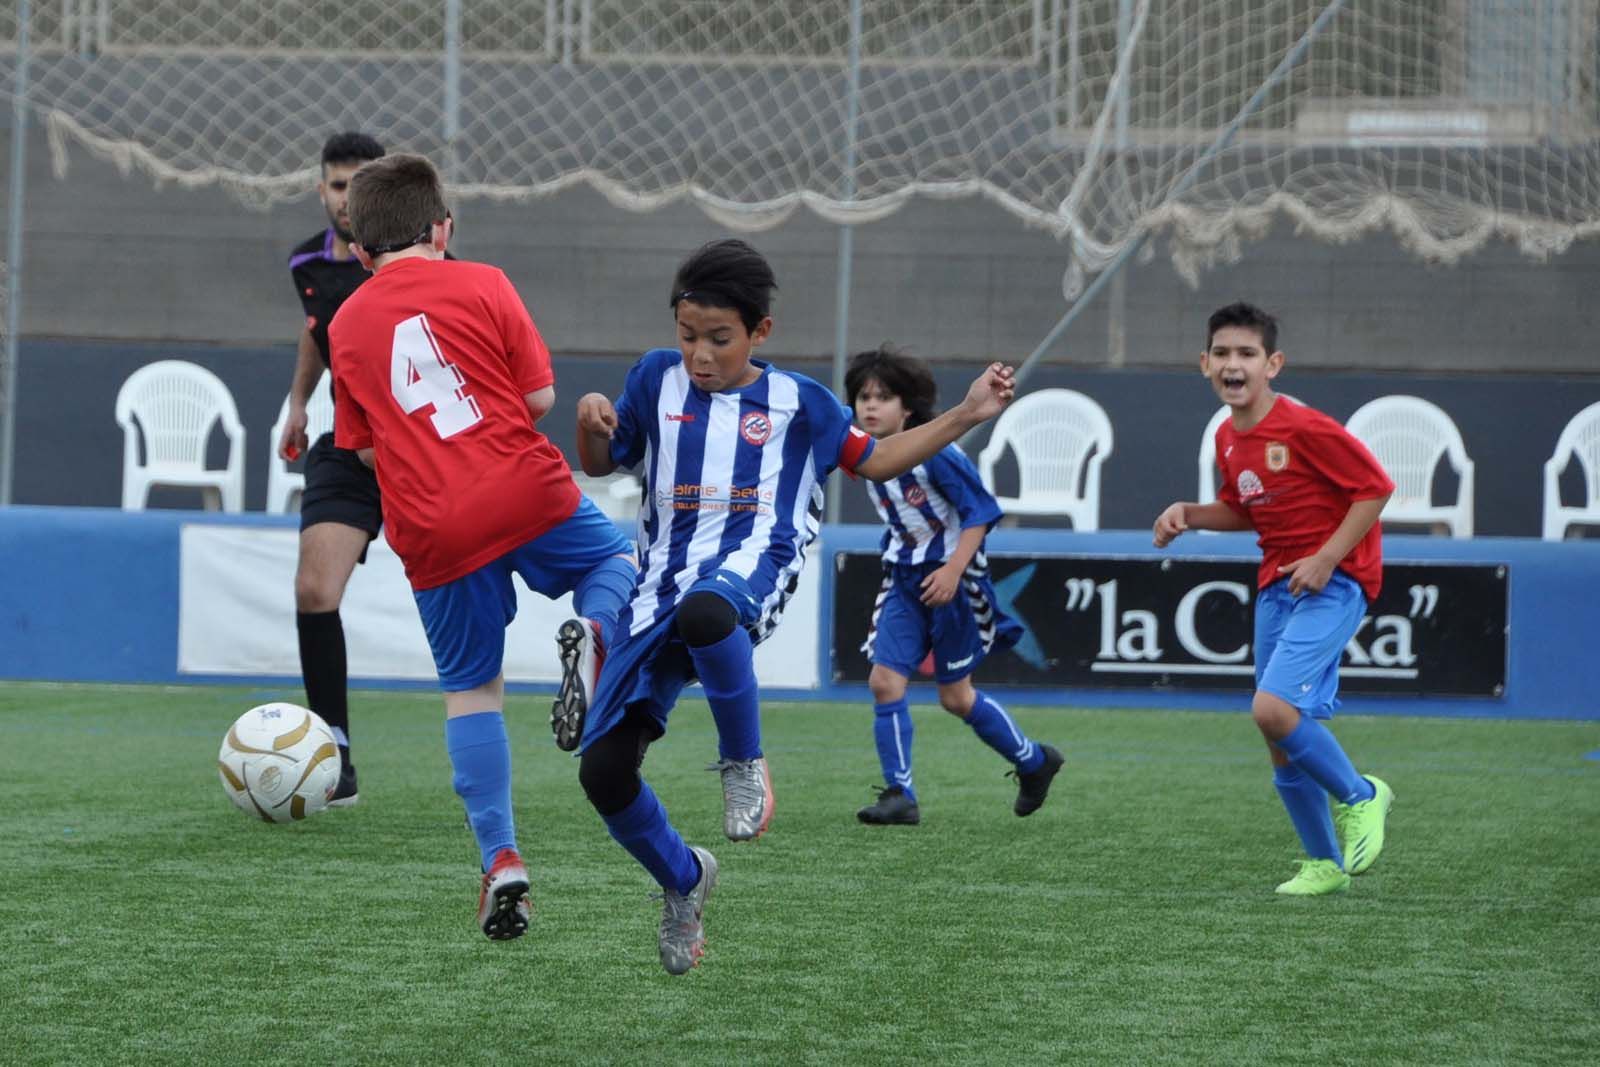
{"type": "Point", "coordinates": [279, 761]}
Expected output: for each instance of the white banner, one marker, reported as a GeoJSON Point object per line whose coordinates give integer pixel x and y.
{"type": "Point", "coordinates": [236, 616]}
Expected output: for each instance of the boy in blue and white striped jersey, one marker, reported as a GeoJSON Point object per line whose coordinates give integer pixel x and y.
{"type": "Point", "coordinates": [732, 453]}
{"type": "Point", "coordinates": [936, 592]}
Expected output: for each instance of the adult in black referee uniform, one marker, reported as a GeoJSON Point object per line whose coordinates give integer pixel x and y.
{"type": "Point", "coordinates": [340, 512]}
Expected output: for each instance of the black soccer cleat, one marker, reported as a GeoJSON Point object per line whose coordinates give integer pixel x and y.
{"type": "Point", "coordinates": [892, 808]}
{"type": "Point", "coordinates": [1033, 788]}
{"type": "Point", "coordinates": [344, 794]}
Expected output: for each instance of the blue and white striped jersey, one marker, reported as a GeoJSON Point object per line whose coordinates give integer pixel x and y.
{"type": "Point", "coordinates": [732, 480]}
{"type": "Point", "coordinates": [927, 507]}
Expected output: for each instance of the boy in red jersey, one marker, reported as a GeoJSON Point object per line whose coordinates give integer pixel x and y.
{"type": "Point", "coordinates": [1313, 493]}
{"type": "Point", "coordinates": [439, 380]}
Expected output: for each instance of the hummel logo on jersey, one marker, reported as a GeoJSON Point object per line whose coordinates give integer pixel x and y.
{"type": "Point", "coordinates": [957, 664]}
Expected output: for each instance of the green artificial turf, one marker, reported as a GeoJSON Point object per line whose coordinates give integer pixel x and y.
{"type": "Point", "coordinates": [1131, 921]}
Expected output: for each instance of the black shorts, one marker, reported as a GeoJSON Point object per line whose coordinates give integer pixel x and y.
{"type": "Point", "coordinates": [340, 488]}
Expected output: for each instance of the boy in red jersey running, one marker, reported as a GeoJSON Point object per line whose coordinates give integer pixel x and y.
{"type": "Point", "coordinates": [440, 378]}
{"type": "Point", "coordinates": [1313, 493]}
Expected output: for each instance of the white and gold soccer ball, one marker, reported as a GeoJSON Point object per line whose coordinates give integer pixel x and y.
{"type": "Point", "coordinates": [280, 762]}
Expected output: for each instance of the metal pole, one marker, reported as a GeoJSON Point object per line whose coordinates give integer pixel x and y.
{"type": "Point", "coordinates": [841, 323]}
{"type": "Point", "coordinates": [1289, 61]}
{"type": "Point", "coordinates": [1074, 65]}
{"type": "Point", "coordinates": [452, 88]}
{"type": "Point", "coordinates": [1117, 339]}
{"type": "Point", "coordinates": [19, 161]}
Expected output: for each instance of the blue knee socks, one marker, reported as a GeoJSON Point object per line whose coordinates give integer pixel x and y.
{"type": "Point", "coordinates": [480, 754]}
{"type": "Point", "coordinates": [1316, 751]}
{"type": "Point", "coordinates": [642, 828]}
{"type": "Point", "coordinates": [1307, 804]}
{"type": "Point", "coordinates": [892, 731]}
{"type": "Point", "coordinates": [991, 723]}
{"type": "Point", "coordinates": [602, 592]}
{"type": "Point", "coordinates": [728, 674]}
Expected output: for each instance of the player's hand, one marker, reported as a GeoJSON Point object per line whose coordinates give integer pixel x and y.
{"type": "Point", "coordinates": [1308, 574]}
{"type": "Point", "coordinates": [940, 587]}
{"type": "Point", "coordinates": [992, 391]}
{"type": "Point", "coordinates": [596, 415]}
{"type": "Point", "coordinates": [292, 442]}
{"type": "Point", "coordinates": [1169, 524]}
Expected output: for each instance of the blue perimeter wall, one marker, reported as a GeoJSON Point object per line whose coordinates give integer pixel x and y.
{"type": "Point", "coordinates": [91, 595]}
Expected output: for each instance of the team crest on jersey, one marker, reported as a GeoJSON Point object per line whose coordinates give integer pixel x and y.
{"type": "Point", "coordinates": [1277, 455]}
{"type": "Point", "coordinates": [916, 497]}
{"type": "Point", "coordinates": [755, 428]}
{"type": "Point", "coordinates": [1250, 485]}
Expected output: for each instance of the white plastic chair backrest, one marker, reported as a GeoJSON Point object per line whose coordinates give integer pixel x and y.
{"type": "Point", "coordinates": [1580, 440]}
{"type": "Point", "coordinates": [1408, 435]}
{"type": "Point", "coordinates": [1060, 437]}
{"type": "Point", "coordinates": [175, 404]}
{"type": "Point", "coordinates": [283, 484]}
{"type": "Point", "coordinates": [319, 414]}
{"type": "Point", "coordinates": [1208, 454]}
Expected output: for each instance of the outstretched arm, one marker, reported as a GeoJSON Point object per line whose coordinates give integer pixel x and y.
{"type": "Point", "coordinates": [1184, 516]}
{"type": "Point", "coordinates": [898, 453]}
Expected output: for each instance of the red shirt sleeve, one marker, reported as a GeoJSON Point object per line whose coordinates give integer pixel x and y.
{"type": "Point", "coordinates": [350, 427]}
{"type": "Point", "coordinates": [1336, 454]}
{"type": "Point", "coordinates": [526, 354]}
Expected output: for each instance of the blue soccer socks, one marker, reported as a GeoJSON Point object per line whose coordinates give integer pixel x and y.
{"type": "Point", "coordinates": [480, 754]}
{"type": "Point", "coordinates": [602, 593]}
{"type": "Point", "coordinates": [1307, 804]}
{"type": "Point", "coordinates": [1314, 749]}
{"type": "Point", "coordinates": [727, 672]}
{"type": "Point", "coordinates": [997, 729]}
{"type": "Point", "coordinates": [642, 828]}
{"type": "Point", "coordinates": [892, 731]}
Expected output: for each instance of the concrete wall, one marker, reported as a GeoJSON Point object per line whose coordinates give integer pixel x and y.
{"type": "Point", "coordinates": [108, 256]}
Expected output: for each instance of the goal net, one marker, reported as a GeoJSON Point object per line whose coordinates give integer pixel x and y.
{"type": "Point", "coordinates": [1450, 122]}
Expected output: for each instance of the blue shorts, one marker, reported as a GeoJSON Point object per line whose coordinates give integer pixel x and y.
{"type": "Point", "coordinates": [1299, 640]}
{"type": "Point", "coordinates": [466, 619]}
{"type": "Point", "coordinates": [961, 633]}
{"type": "Point", "coordinates": [649, 669]}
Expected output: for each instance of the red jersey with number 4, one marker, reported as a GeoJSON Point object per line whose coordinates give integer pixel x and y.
{"type": "Point", "coordinates": [1293, 476]}
{"type": "Point", "coordinates": [431, 361]}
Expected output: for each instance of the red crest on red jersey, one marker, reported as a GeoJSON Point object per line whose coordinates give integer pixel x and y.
{"type": "Point", "coordinates": [1277, 456]}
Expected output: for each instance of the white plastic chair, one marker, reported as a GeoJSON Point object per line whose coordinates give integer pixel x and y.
{"type": "Point", "coordinates": [173, 404]}
{"type": "Point", "coordinates": [616, 495]}
{"type": "Point", "coordinates": [1408, 435]}
{"type": "Point", "coordinates": [1580, 439]}
{"type": "Point", "coordinates": [1060, 437]}
{"type": "Point", "coordinates": [1208, 456]}
{"type": "Point", "coordinates": [284, 486]}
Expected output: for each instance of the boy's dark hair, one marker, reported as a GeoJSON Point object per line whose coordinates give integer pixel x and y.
{"type": "Point", "coordinates": [1250, 317]}
{"type": "Point", "coordinates": [726, 274]}
{"type": "Point", "coordinates": [394, 202]}
{"type": "Point", "coordinates": [349, 147]}
{"type": "Point", "coordinates": [901, 374]}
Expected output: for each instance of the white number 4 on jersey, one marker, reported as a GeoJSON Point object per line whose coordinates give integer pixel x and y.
{"type": "Point", "coordinates": [419, 377]}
